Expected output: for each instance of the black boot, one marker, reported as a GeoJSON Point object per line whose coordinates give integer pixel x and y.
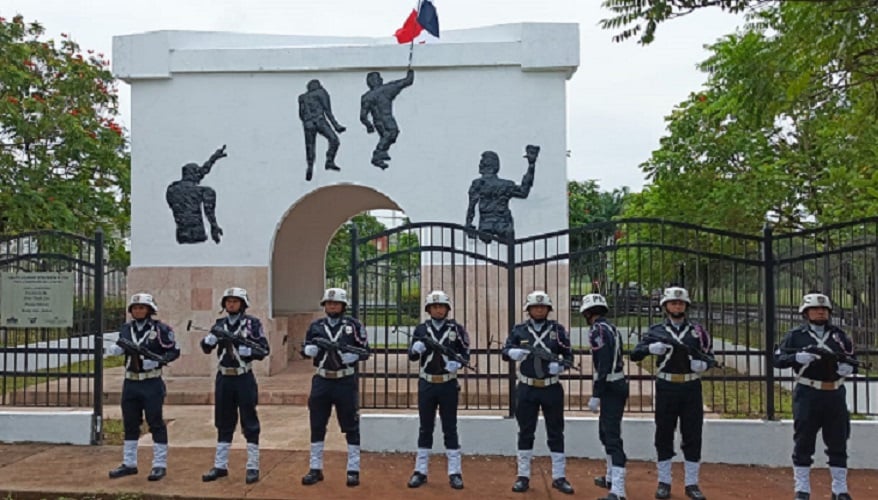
{"type": "Point", "coordinates": [601, 482]}
{"type": "Point", "coordinates": [561, 484]}
{"type": "Point", "coordinates": [252, 476]}
{"type": "Point", "coordinates": [801, 495]}
{"type": "Point", "coordinates": [612, 496]}
{"type": "Point", "coordinates": [521, 485]}
{"type": "Point", "coordinates": [122, 471]}
{"type": "Point", "coordinates": [693, 492]}
{"type": "Point", "coordinates": [353, 478]}
{"type": "Point", "coordinates": [157, 473]}
{"type": "Point", "coordinates": [417, 480]}
{"type": "Point", "coordinates": [312, 477]}
{"type": "Point", "coordinates": [213, 474]}
{"type": "Point", "coordinates": [663, 491]}
{"type": "Point", "coordinates": [456, 481]}
{"type": "Point", "coordinates": [841, 496]}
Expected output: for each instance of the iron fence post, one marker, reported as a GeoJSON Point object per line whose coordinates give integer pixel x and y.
{"type": "Point", "coordinates": [97, 415]}
{"type": "Point", "coordinates": [510, 316]}
{"type": "Point", "coordinates": [770, 316]}
{"type": "Point", "coordinates": [355, 277]}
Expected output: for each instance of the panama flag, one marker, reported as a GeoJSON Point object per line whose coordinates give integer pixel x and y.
{"type": "Point", "coordinates": [424, 19]}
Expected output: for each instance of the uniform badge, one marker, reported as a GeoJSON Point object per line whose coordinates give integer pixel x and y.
{"type": "Point", "coordinates": [348, 329]}
{"type": "Point", "coordinates": [678, 293]}
{"type": "Point", "coordinates": [553, 335]}
{"type": "Point", "coordinates": [821, 299]}
{"type": "Point", "coordinates": [331, 294]}
{"type": "Point", "coordinates": [452, 336]}
{"type": "Point", "coordinates": [171, 335]}
{"type": "Point", "coordinates": [539, 299]}
{"type": "Point", "coordinates": [152, 335]}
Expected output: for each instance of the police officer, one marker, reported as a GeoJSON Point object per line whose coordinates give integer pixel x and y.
{"type": "Point", "coordinates": [539, 387]}
{"type": "Point", "coordinates": [236, 391]}
{"type": "Point", "coordinates": [335, 382]}
{"type": "Point", "coordinates": [438, 387]}
{"type": "Point", "coordinates": [143, 391]}
{"type": "Point", "coordinates": [819, 401]}
{"type": "Point", "coordinates": [610, 391]}
{"type": "Point", "coordinates": [677, 387]}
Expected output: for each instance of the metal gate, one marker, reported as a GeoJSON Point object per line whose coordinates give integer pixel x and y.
{"type": "Point", "coordinates": [745, 290]}
{"type": "Point", "coordinates": [58, 367]}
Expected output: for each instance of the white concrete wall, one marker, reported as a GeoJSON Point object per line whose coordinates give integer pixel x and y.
{"type": "Point", "coordinates": [496, 88]}
{"type": "Point", "coordinates": [45, 426]}
{"type": "Point", "coordinates": [725, 441]}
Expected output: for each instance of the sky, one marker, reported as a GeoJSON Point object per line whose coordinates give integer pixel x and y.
{"type": "Point", "coordinates": [617, 100]}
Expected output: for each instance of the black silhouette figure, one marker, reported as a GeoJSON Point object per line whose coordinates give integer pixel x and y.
{"type": "Point", "coordinates": [186, 197]}
{"type": "Point", "coordinates": [378, 102]}
{"type": "Point", "coordinates": [492, 194]}
{"type": "Point", "coordinates": [314, 110]}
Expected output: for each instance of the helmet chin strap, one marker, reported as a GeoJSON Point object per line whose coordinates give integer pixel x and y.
{"type": "Point", "coordinates": [677, 315]}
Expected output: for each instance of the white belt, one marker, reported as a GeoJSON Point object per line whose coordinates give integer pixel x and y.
{"type": "Point", "coordinates": [334, 374]}
{"type": "Point", "coordinates": [538, 382]}
{"type": "Point", "coordinates": [234, 371]}
{"type": "Point", "coordinates": [143, 375]}
{"type": "Point", "coordinates": [438, 379]}
{"type": "Point", "coordinates": [678, 378]}
{"type": "Point", "coordinates": [820, 384]}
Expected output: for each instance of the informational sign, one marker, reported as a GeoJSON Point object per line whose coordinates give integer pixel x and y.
{"type": "Point", "coordinates": [36, 300]}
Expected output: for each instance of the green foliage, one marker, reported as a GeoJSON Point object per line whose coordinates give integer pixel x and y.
{"type": "Point", "coordinates": [338, 255]}
{"type": "Point", "coordinates": [786, 125]}
{"type": "Point", "coordinates": [587, 204]}
{"type": "Point", "coordinates": [64, 163]}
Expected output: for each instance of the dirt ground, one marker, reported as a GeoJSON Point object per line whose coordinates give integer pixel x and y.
{"type": "Point", "coordinates": [32, 471]}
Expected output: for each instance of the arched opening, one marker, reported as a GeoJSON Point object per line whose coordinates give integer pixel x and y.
{"type": "Point", "coordinates": [298, 257]}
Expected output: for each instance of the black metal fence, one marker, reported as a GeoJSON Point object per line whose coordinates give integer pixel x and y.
{"type": "Point", "coordinates": [745, 289]}
{"type": "Point", "coordinates": [60, 367]}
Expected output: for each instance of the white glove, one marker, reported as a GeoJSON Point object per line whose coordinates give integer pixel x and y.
{"type": "Point", "coordinates": [658, 348]}
{"type": "Point", "coordinates": [114, 350]}
{"type": "Point", "coordinates": [210, 339]}
{"type": "Point", "coordinates": [452, 366]}
{"type": "Point", "coordinates": [149, 364]}
{"type": "Point", "coordinates": [311, 350]}
{"type": "Point", "coordinates": [806, 358]}
{"type": "Point", "coordinates": [697, 365]}
{"type": "Point", "coordinates": [844, 369]}
{"type": "Point", "coordinates": [419, 347]}
{"type": "Point", "coordinates": [555, 368]}
{"type": "Point", "coordinates": [244, 351]}
{"type": "Point", "coordinates": [349, 358]}
{"type": "Point", "coordinates": [516, 354]}
{"type": "Point", "coordinates": [594, 404]}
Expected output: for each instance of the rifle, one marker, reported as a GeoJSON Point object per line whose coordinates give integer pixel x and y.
{"type": "Point", "coordinates": [258, 349]}
{"type": "Point", "coordinates": [328, 345]}
{"type": "Point", "coordinates": [542, 354]}
{"type": "Point", "coordinates": [690, 351]}
{"type": "Point", "coordinates": [442, 349]}
{"type": "Point", "coordinates": [135, 349]}
{"type": "Point", "coordinates": [825, 353]}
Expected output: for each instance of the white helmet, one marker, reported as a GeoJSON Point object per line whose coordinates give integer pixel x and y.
{"type": "Point", "coordinates": [675, 293]}
{"type": "Point", "coordinates": [437, 297]}
{"type": "Point", "coordinates": [815, 300]}
{"type": "Point", "coordinates": [143, 299]}
{"type": "Point", "coordinates": [335, 295]}
{"type": "Point", "coordinates": [593, 300]}
{"type": "Point", "coordinates": [238, 293]}
{"type": "Point", "coordinates": [538, 298]}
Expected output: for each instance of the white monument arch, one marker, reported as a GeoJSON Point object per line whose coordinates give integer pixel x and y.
{"type": "Point", "coordinates": [496, 88]}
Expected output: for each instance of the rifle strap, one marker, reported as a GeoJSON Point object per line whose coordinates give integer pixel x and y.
{"type": "Point", "coordinates": [433, 334]}
{"type": "Point", "coordinates": [333, 337]}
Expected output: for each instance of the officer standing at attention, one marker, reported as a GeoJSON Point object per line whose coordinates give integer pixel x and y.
{"type": "Point", "coordinates": [236, 388]}
{"type": "Point", "coordinates": [677, 388]}
{"type": "Point", "coordinates": [143, 390]}
{"type": "Point", "coordinates": [819, 398]}
{"type": "Point", "coordinates": [438, 387]}
{"type": "Point", "coordinates": [335, 382]}
{"type": "Point", "coordinates": [539, 387]}
{"type": "Point", "coordinates": [610, 391]}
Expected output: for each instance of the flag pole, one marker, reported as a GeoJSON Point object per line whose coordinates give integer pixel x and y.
{"type": "Point", "coordinates": [412, 43]}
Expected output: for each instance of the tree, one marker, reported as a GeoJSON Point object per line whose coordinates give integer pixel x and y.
{"type": "Point", "coordinates": [64, 163]}
{"type": "Point", "coordinates": [786, 125]}
{"type": "Point", "coordinates": [338, 255]}
{"type": "Point", "coordinates": [590, 212]}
